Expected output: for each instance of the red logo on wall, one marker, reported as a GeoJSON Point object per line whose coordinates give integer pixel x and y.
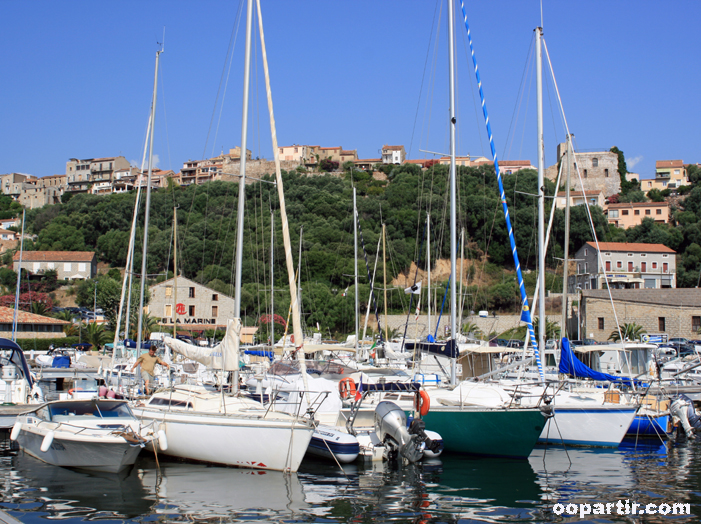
{"type": "Point", "coordinates": [180, 309]}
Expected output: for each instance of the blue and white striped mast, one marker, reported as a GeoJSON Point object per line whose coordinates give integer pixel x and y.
{"type": "Point", "coordinates": [525, 310]}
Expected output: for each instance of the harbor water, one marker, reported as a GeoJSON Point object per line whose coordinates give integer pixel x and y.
{"type": "Point", "coordinates": [453, 489]}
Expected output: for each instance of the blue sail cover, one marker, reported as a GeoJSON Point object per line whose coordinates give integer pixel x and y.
{"type": "Point", "coordinates": [572, 366]}
{"type": "Point", "coordinates": [447, 349]}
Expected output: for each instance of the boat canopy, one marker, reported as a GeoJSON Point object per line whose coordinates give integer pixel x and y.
{"type": "Point", "coordinates": [17, 358]}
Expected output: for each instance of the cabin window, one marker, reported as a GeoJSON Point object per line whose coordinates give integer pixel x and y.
{"type": "Point", "coordinates": [661, 324]}
{"type": "Point", "coordinates": [191, 292]}
{"type": "Point", "coordinates": [601, 322]}
{"type": "Point", "coordinates": [192, 311]}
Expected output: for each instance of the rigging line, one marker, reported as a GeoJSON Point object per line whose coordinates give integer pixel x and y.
{"type": "Point", "coordinates": [367, 267]}
{"type": "Point", "coordinates": [423, 78]}
{"type": "Point", "coordinates": [525, 116]}
{"type": "Point", "coordinates": [428, 109]}
{"type": "Point", "coordinates": [165, 114]}
{"type": "Point", "coordinates": [226, 70]}
{"type": "Point", "coordinates": [411, 298]}
{"type": "Point", "coordinates": [526, 313]}
{"type": "Point", "coordinates": [519, 97]}
{"type": "Point", "coordinates": [586, 204]}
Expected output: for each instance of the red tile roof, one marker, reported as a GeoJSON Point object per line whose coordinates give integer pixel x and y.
{"type": "Point", "coordinates": [23, 317]}
{"type": "Point", "coordinates": [579, 193]}
{"type": "Point", "coordinates": [55, 256]}
{"type": "Point", "coordinates": [637, 204]}
{"type": "Point", "coordinates": [669, 163]}
{"type": "Point", "coordinates": [515, 163]}
{"type": "Point", "coordinates": [393, 148]}
{"type": "Point", "coordinates": [632, 246]}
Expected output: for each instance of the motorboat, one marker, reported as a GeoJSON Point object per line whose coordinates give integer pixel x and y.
{"type": "Point", "coordinates": [95, 434]}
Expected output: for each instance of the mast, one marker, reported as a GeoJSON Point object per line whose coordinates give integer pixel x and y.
{"type": "Point", "coordinates": [242, 173]}
{"type": "Point", "coordinates": [175, 270]}
{"type": "Point", "coordinates": [355, 263]}
{"type": "Point", "coordinates": [453, 220]}
{"type": "Point", "coordinates": [299, 280]}
{"type": "Point", "coordinates": [148, 205]}
{"type": "Point", "coordinates": [428, 267]}
{"type": "Point", "coordinates": [19, 281]}
{"type": "Point", "coordinates": [563, 331]}
{"type": "Point", "coordinates": [384, 276]}
{"type": "Point", "coordinates": [542, 324]}
{"type": "Point", "coordinates": [272, 280]}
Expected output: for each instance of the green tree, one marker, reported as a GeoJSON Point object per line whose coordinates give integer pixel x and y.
{"type": "Point", "coordinates": [629, 331]}
{"type": "Point", "coordinates": [552, 328]}
{"type": "Point", "coordinates": [96, 335]}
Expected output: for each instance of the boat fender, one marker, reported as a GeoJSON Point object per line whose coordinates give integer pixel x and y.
{"type": "Point", "coordinates": [73, 390]}
{"type": "Point", "coordinates": [346, 388]}
{"type": "Point", "coordinates": [15, 430]}
{"type": "Point", "coordinates": [422, 403]}
{"type": "Point", "coordinates": [48, 440]}
{"type": "Point", "coordinates": [162, 440]}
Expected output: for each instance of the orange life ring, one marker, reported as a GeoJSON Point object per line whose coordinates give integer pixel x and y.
{"type": "Point", "coordinates": [346, 388]}
{"type": "Point", "coordinates": [70, 391]}
{"type": "Point", "coordinates": [422, 403]}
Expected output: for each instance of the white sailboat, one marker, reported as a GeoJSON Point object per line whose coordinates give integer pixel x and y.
{"type": "Point", "coordinates": [214, 427]}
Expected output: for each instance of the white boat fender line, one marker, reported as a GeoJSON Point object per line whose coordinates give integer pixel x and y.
{"type": "Point", "coordinates": [48, 440]}
{"type": "Point", "coordinates": [16, 430]}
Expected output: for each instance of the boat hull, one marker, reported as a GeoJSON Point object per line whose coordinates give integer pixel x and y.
{"type": "Point", "coordinates": [598, 426]}
{"type": "Point", "coordinates": [649, 426]}
{"type": "Point", "coordinates": [110, 456]}
{"type": "Point", "coordinates": [487, 432]}
{"type": "Point", "coordinates": [331, 443]}
{"type": "Point", "coordinates": [247, 442]}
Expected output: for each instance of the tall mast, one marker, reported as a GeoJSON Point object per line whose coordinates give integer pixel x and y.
{"type": "Point", "coordinates": [428, 267]}
{"type": "Point", "coordinates": [148, 206]}
{"type": "Point", "coordinates": [299, 279]}
{"type": "Point", "coordinates": [355, 263]}
{"type": "Point", "coordinates": [19, 281]}
{"type": "Point", "coordinates": [453, 185]}
{"type": "Point", "coordinates": [175, 270]}
{"type": "Point", "coordinates": [384, 276]}
{"type": "Point", "coordinates": [542, 323]}
{"type": "Point", "coordinates": [563, 331]}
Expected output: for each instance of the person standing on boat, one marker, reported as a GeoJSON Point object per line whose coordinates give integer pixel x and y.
{"type": "Point", "coordinates": [148, 363]}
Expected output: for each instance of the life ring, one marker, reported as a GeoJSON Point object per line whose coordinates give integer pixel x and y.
{"type": "Point", "coordinates": [422, 403]}
{"type": "Point", "coordinates": [72, 390]}
{"type": "Point", "coordinates": [346, 388]}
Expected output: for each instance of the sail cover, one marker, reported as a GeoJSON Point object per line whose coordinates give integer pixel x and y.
{"type": "Point", "coordinates": [571, 365]}
{"type": "Point", "coordinates": [223, 356]}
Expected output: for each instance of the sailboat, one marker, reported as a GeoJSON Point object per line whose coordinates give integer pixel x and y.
{"type": "Point", "coordinates": [227, 429]}
{"type": "Point", "coordinates": [478, 419]}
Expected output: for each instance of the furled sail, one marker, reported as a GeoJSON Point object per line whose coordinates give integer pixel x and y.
{"type": "Point", "coordinates": [223, 356]}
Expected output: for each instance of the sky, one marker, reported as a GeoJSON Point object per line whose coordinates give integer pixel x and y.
{"type": "Point", "coordinates": [78, 78]}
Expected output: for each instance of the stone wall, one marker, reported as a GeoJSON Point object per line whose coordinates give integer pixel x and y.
{"type": "Point", "coordinates": [254, 169]}
{"type": "Point", "coordinates": [604, 176]}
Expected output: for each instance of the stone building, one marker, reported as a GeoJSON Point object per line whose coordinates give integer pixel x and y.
{"type": "Point", "coordinates": [30, 325]}
{"type": "Point", "coordinates": [598, 170]}
{"type": "Point", "coordinates": [393, 154]}
{"type": "Point", "coordinates": [83, 174]}
{"type": "Point", "coordinates": [69, 265]}
{"type": "Point", "coordinates": [624, 265]}
{"type": "Point", "coordinates": [196, 307]}
{"type": "Point", "coordinates": [675, 312]}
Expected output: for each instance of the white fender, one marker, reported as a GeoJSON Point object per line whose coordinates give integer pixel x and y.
{"type": "Point", "coordinates": [162, 440]}
{"type": "Point", "coordinates": [15, 430]}
{"type": "Point", "coordinates": [48, 440]}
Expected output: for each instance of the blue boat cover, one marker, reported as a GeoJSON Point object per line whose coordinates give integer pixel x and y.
{"type": "Point", "coordinates": [17, 358]}
{"type": "Point", "coordinates": [445, 349]}
{"type": "Point", "coordinates": [62, 361]}
{"type": "Point", "coordinates": [572, 366]}
{"type": "Point", "coordinates": [260, 353]}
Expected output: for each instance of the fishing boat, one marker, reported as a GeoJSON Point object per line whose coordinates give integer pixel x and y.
{"type": "Point", "coordinates": [96, 434]}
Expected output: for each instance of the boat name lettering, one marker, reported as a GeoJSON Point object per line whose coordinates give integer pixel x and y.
{"type": "Point", "coordinates": [211, 321]}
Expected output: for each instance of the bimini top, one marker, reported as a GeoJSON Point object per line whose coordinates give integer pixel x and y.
{"type": "Point", "coordinates": [17, 358]}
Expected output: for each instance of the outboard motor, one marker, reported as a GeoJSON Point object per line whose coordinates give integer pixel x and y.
{"type": "Point", "coordinates": [390, 426]}
{"type": "Point", "coordinates": [683, 411]}
{"type": "Point", "coordinates": [431, 447]}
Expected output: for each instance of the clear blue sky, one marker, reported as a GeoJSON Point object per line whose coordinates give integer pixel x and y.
{"type": "Point", "coordinates": [77, 78]}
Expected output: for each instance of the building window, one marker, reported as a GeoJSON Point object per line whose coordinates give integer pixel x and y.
{"type": "Point", "coordinates": [169, 291]}
{"type": "Point", "coordinates": [67, 266]}
{"type": "Point", "coordinates": [579, 268]}
{"type": "Point", "coordinates": [643, 254]}
{"type": "Point", "coordinates": [608, 265]}
{"type": "Point", "coordinates": [191, 311]}
{"type": "Point", "coordinates": [654, 265]}
{"type": "Point", "coordinates": [215, 311]}
{"type": "Point", "coordinates": [636, 212]}
{"type": "Point", "coordinates": [643, 267]}
{"type": "Point", "coordinates": [630, 267]}
{"type": "Point", "coordinates": [586, 267]}
{"type": "Point", "coordinates": [665, 267]}
{"type": "Point", "coordinates": [624, 212]}
{"type": "Point", "coordinates": [606, 173]}
{"type": "Point", "coordinates": [601, 322]}
{"type": "Point", "coordinates": [215, 297]}
{"type": "Point", "coordinates": [658, 211]}
{"type": "Point", "coordinates": [169, 310]}
{"type": "Point", "coordinates": [191, 292]}
{"type": "Point", "coordinates": [660, 324]}
{"type": "Point", "coordinates": [647, 211]}
{"type": "Point", "coordinates": [585, 251]}
{"type": "Point", "coordinates": [665, 256]}
{"type": "Point", "coordinates": [619, 264]}
{"type": "Point", "coordinates": [613, 213]}
{"type": "Point", "coordinates": [585, 173]}
{"type": "Point", "coordinates": [630, 254]}
{"type": "Point", "coordinates": [81, 267]}
{"type": "Point", "coordinates": [594, 162]}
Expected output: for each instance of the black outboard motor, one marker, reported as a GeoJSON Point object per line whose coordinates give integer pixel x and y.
{"type": "Point", "coordinates": [418, 428]}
